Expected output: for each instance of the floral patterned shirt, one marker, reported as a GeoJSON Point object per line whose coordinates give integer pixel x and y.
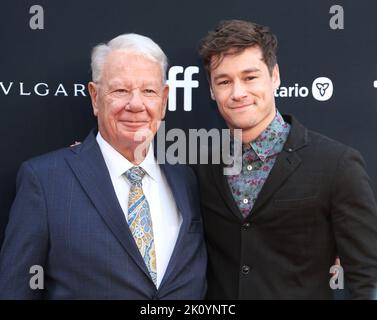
{"type": "Point", "coordinates": [258, 158]}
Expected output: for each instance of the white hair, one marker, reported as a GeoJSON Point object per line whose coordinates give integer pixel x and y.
{"type": "Point", "coordinates": [129, 42]}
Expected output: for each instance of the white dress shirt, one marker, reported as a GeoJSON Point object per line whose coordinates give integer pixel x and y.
{"type": "Point", "coordinates": [166, 219]}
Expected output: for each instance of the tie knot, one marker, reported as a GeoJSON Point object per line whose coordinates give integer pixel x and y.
{"type": "Point", "coordinates": [135, 174]}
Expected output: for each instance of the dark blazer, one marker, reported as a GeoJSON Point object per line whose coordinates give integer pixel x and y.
{"type": "Point", "coordinates": [316, 203]}
{"type": "Point", "coordinates": [66, 218]}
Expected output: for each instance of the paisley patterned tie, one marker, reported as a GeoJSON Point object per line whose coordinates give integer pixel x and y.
{"type": "Point", "coordinates": [139, 220]}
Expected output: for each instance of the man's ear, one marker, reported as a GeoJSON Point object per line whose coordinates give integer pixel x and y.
{"type": "Point", "coordinates": [93, 92]}
{"type": "Point", "coordinates": [165, 96]}
{"type": "Point", "coordinates": [212, 95]}
{"type": "Point", "coordinates": [276, 77]}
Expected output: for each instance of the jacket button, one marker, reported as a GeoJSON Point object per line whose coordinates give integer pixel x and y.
{"type": "Point", "coordinates": [245, 269]}
{"type": "Point", "coordinates": [246, 226]}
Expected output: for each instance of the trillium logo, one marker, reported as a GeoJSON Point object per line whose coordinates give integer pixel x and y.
{"type": "Point", "coordinates": [322, 89]}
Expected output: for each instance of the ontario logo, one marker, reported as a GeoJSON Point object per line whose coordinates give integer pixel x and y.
{"type": "Point", "coordinates": [322, 89]}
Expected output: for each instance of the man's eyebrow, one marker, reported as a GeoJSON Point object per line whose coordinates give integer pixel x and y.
{"type": "Point", "coordinates": [221, 75]}
{"type": "Point", "coordinates": [250, 70]}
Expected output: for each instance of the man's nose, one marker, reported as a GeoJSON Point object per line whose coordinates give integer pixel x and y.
{"type": "Point", "coordinates": [135, 102]}
{"type": "Point", "coordinates": [239, 91]}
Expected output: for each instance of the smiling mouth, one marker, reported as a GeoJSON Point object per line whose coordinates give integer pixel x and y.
{"type": "Point", "coordinates": [134, 124]}
{"type": "Point", "coordinates": [241, 106]}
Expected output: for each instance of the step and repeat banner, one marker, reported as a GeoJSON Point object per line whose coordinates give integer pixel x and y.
{"type": "Point", "coordinates": [327, 57]}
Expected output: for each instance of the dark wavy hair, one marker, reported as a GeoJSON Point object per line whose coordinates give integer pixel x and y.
{"type": "Point", "coordinates": [232, 37]}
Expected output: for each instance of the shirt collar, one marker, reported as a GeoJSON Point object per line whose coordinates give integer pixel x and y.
{"type": "Point", "coordinates": [265, 144]}
{"type": "Point", "coordinates": [117, 164]}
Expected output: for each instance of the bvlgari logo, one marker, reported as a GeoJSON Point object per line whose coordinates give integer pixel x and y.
{"type": "Point", "coordinates": [186, 83]}
{"type": "Point", "coordinates": [42, 89]}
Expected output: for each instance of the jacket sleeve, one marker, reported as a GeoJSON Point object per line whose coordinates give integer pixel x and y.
{"type": "Point", "coordinates": [354, 217]}
{"type": "Point", "coordinates": [26, 240]}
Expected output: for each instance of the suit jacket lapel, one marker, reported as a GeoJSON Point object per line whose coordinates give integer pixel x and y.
{"type": "Point", "coordinates": [90, 169]}
{"type": "Point", "coordinates": [222, 185]}
{"type": "Point", "coordinates": [286, 163]}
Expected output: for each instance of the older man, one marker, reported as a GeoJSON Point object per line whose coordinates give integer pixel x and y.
{"type": "Point", "coordinates": [101, 219]}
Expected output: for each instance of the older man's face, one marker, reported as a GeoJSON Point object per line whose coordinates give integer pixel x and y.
{"type": "Point", "coordinates": [130, 98]}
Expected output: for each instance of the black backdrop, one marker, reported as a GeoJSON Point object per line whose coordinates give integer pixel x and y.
{"type": "Point", "coordinates": [57, 57]}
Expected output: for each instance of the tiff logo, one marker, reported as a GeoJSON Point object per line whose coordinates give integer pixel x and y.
{"type": "Point", "coordinates": [187, 84]}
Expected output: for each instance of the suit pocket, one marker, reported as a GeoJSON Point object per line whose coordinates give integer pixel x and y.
{"type": "Point", "coordinates": [195, 226]}
{"type": "Point", "coordinates": [296, 203]}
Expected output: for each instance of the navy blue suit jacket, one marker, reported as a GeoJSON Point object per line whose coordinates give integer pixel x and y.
{"type": "Point", "coordinates": [67, 219]}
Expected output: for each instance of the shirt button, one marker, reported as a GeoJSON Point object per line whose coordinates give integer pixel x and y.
{"type": "Point", "coordinates": [245, 269]}
{"type": "Point", "coordinates": [246, 226]}
{"type": "Point", "coordinates": [249, 167]}
{"type": "Point", "coordinates": [245, 201]}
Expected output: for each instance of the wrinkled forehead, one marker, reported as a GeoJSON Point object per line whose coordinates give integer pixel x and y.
{"type": "Point", "coordinates": [121, 64]}
{"type": "Point", "coordinates": [133, 82]}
